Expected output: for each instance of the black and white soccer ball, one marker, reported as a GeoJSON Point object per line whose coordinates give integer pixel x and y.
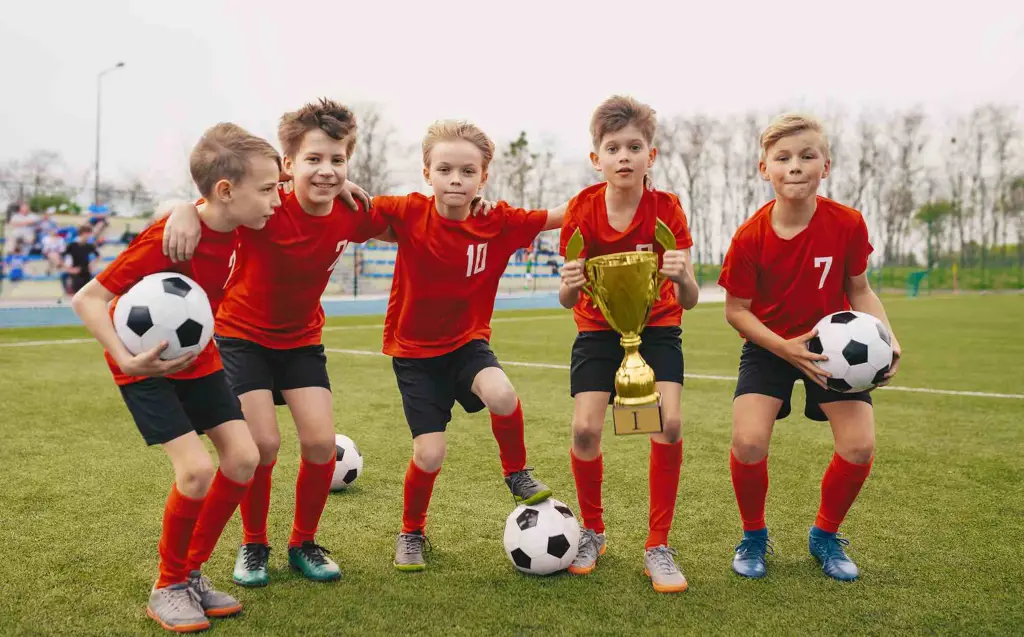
{"type": "Point", "coordinates": [542, 538]}
{"type": "Point", "coordinates": [859, 350]}
{"type": "Point", "coordinates": [348, 463]}
{"type": "Point", "coordinates": [166, 306]}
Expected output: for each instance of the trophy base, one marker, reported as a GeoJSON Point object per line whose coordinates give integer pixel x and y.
{"type": "Point", "coordinates": [637, 419]}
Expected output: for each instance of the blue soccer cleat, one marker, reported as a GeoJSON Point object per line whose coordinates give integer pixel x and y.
{"type": "Point", "coordinates": [749, 560]}
{"type": "Point", "coordinates": [828, 549]}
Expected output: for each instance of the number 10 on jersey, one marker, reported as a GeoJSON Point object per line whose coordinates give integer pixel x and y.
{"type": "Point", "coordinates": [476, 258]}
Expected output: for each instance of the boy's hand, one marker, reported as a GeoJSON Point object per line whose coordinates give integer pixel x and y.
{"type": "Point", "coordinates": [481, 207]}
{"type": "Point", "coordinates": [897, 353]}
{"type": "Point", "coordinates": [350, 192]}
{"type": "Point", "coordinates": [182, 232]}
{"type": "Point", "coordinates": [795, 352]}
{"type": "Point", "coordinates": [572, 275]}
{"type": "Point", "coordinates": [675, 266]}
{"type": "Point", "coordinates": [149, 364]}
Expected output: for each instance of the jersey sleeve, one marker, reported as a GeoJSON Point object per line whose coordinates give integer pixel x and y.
{"type": "Point", "coordinates": [676, 222]}
{"type": "Point", "coordinates": [523, 226]}
{"type": "Point", "coordinates": [388, 211]}
{"type": "Point", "coordinates": [371, 224]}
{"type": "Point", "coordinates": [858, 249]}
{"type": "Point", "coordinates": [739, 269]}
{"type": "Point", "coordinates": [144, 256]}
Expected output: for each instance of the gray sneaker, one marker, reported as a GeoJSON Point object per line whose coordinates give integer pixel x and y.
{"type": "Point", "coordinates": [214, 602]}
{"type": "Point", "coordinates": [409, 552]}
{"type": "Point", "coordinates": [177, 608]}
{"type": "Point", "coordinates": [660, 566]}
{"type": "Point", "coordinates": [592, 546]}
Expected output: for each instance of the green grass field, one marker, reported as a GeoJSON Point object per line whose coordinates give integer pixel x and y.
{"type": "Point", "coordinates": [937, 531]}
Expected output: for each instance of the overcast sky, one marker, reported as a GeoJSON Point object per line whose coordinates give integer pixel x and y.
{"type": "Point", "coordinates": [509, 66]}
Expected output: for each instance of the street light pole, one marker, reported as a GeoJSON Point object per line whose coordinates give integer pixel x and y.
{"type": "Point", "coordinates": [96, 176]}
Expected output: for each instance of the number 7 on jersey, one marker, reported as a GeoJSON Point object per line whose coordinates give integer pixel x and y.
{"type": "Point", "coordinates": [827, 262]}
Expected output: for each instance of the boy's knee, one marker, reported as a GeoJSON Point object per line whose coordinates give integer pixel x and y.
{"type": "Point", "coordinates": [749, 449]}
{"type": "Point", "coordinates": [429, 457]}
{"type": "Point", "coordinates": [586, 436]}
{"type": "Point", "coordinates": [502, 400]}
{"type": "Point", "coordinates": [672, 430]}
{"type": "Point", "coordinates": [195, 476]}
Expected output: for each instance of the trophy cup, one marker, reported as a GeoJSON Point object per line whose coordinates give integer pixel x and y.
{"type": "Point", "coordinates": [625, 286]}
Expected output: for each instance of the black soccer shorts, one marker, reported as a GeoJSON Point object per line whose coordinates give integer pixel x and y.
{"type": "Point", "coordinates": [430, 387]}
{"type": "Point", "coordinates": [252, 366]}
{"type": "Point", "coordinates": [165, 408]}
{"type": "Point", "coordinates": [762, 372]}
{"type": "Point", "coordinates": [597, 355]}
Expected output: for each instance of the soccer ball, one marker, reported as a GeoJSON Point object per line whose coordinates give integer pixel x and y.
{"type": "Point", "coordinates": [166, 306]}
{"type": "Point", "coordinates": [859, 350]}
{"type": "Point", "coordinates": [542, 538]}
{"type": "Point", "coordinates": [348, 463]}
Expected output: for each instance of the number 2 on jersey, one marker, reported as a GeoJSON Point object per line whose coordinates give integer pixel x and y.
{"type": "Point", "coordinates": [476, 258]}
{"type": "Point", "coordinates": [819, 262]}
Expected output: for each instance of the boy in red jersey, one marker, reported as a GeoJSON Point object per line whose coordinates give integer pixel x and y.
{"type": "Point", "coordinates": [269, 331]}
{"type": "Point", "coordinates": [437, 327]}
{"type": "Point", "coordinates": [174, 401]}
{"type": "Point", "coordinates": [798, 259]}
{"type": "Point", "coordinates": [620, 215]}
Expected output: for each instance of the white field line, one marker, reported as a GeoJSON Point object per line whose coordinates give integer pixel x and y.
{"type": "Point", "coordinates": [360, 352]}
{"type": "Point", "coordinates": [921, 390]}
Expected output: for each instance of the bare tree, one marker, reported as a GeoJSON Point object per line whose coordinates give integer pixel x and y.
{"type": "Point", "coordinates": [370, 166]}
{"type": "Point", "coordinates": [1004, 133]}
{"type": "Point", "coordinates": [690, 145]}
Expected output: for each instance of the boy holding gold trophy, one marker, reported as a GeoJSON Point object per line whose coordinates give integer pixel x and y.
{"type": "Point", "coordinates": [627, 277]}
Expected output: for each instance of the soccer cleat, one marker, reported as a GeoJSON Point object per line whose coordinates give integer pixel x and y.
{"type": "Point", "coordinates": [176, 608]}
{"type": "Point", "coordinates": [525, 488]}
{"type": "Point", "coordinates": [827, 548]}
{"type": "Point", "coordinates": [310, 559]}
{"type": "Point", "coordinates": [409, 551]}
{"type": "Point", "coordinates": [660, 566]}
{"type": "Point", "coordinates": [213, 602]}
{"type": "Point", "coordinates": [749, 560]}
{"type": "Point", "coordinates": [251, 565]}
{"type": "Point", "coordinates": [592, 546]}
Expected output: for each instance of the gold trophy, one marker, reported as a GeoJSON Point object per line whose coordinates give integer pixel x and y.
{"type": "Point", "coordinates": [625, 286]}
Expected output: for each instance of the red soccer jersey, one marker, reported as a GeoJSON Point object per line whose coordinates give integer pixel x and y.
{"type": "Point", "coordinates": [281, 271]}
{"type": "Point", "coordinates": [587, 211]}
{"type": "Point", "coordinates": [447, 272]}
{"type": "Point", "coordinates": [793, 283]}
{"type": "Point", "coordinates": [209, 267]}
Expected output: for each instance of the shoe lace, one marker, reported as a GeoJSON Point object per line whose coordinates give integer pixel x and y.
{"type": "Point", "coordinates": [200, 583]}
{"type": "Point", "coordinates": [834, 547]}
{"type": "Point", "coordinates": [255, 556]}
{"type": "Point", "coordinates": [181, 597]}
{"type": "Point", "coordinates": [755, 546]}
{"type": "Point", "coordinates": [412, 543]}
{"type": "Point", "coordinates": [314, 553]}
{"type": "Point", "coordinates": [664, 559]}
{"type": "Point", "coordinates": [588, 544]}
{"type": "Point", "coordinates": [522, 480]}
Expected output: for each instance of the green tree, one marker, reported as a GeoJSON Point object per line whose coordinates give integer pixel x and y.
{"type": "Point", "coordinates": [932, 215]}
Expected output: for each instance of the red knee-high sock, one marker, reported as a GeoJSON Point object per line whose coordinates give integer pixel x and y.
{"type": "Point", "coordinates": [311, 491]}
{"type": "Point", "coordinates": [180, 515]}
{"type": "Point", "coordinates": [588, 475]}
{"type": "Point", "coordinates": [419, 485]}
{"type": "Point", "coordinates": [663, 482]}
{"type": "Point", "coordinates": [221, 501]}
{"type": "Point", "coordinates": [508, 431]}
{"type": "Point", "coordinates": [255, 506]}
{"type": "Point", "coordinates": [839, 488]}
{"type": "Point", "coordinates": [750, 482]}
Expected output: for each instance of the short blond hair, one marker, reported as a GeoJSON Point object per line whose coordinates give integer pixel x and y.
{"type": "Point", "coordinates": [225, 152]}
{"type": "Point", "coordinates": [618, 112]}
{"type": "Point", "coordinates": [451, 130]}
{"type": "Point", "coordinates": [789, 124]}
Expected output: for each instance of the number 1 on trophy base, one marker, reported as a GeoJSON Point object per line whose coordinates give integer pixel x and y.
{"type": "Point", "coordinates": [637, 419]}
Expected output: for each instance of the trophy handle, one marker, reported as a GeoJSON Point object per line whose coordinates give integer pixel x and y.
{"type": "Point", "coordinates": [572, 252]}
{"type": "Point", "coordinates": [666, 239]}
